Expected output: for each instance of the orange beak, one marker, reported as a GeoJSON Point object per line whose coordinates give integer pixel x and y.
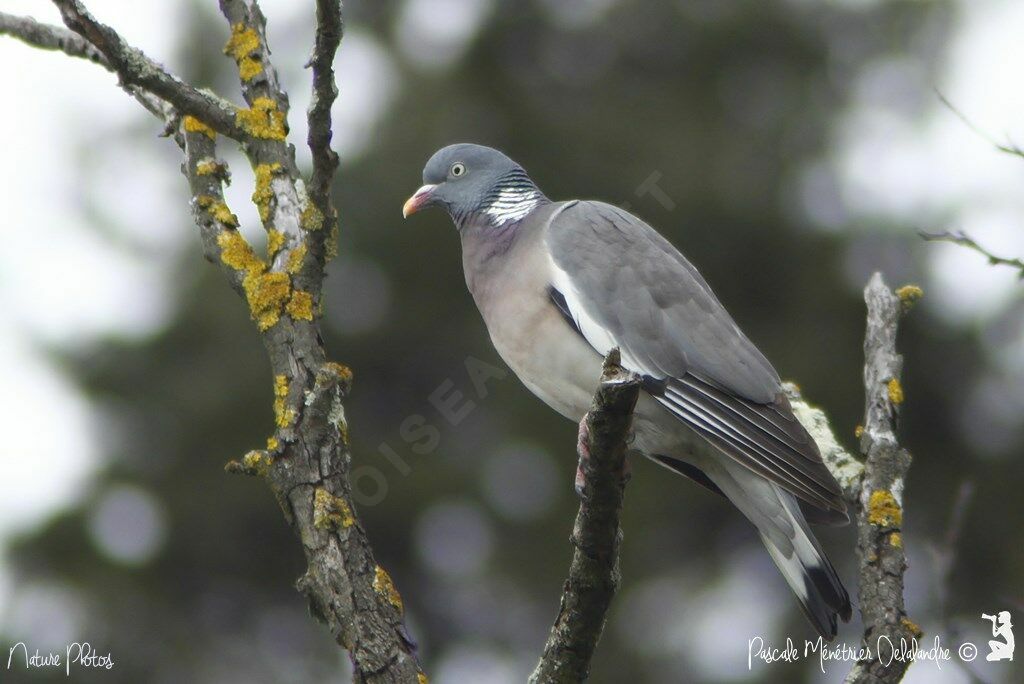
{"type": "Point", "coordinates": [417, 201]}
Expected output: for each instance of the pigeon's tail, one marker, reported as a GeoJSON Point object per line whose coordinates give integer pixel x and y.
{"type": "Point", "coordinates": [807, 569]}
{"type": "Point", "coordinates": [776, 514]}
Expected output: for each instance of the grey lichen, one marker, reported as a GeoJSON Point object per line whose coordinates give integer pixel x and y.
{"type": "Point", "coordinates": [847, 470]}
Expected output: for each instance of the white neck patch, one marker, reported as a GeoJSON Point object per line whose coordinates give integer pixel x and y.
{"type": "Point", "coordinates": [512, 204]}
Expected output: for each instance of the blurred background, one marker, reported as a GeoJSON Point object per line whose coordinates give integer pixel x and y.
{"type": "Point", "coordinates": [793, 147]}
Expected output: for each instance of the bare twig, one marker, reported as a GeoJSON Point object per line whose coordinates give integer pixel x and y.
{"type": "Point", "coordinates": [879, 508]}
{"type": "Point", "coordinates": [1008, 147]}
{"type": "Point", "coordinates": [965, 240]}
{"type": "Point", "coordinates": [944, 554]}
{"type": "Point", "coordinates": [594, 572]}
{"type": "Point", "coordinates": [58, 38]}
{"type": "Point", "coordinates": [136, 69]}
{"type": "Point", "coordinates": [943, 557]}
{"type": "Point", "coordinates": [329, 30]}
{"type": "Point", "coordinates": [48, 37]}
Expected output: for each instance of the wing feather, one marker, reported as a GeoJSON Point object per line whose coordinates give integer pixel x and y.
{"type": "Point", "coordinates": [620, 284]}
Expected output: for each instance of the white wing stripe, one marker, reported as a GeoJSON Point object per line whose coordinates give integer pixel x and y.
{"type": "Point", "coordinates": [593, 332]}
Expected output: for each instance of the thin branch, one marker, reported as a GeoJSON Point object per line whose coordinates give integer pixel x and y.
{"type": "Point", "coordinates": [136, 69]}
{"type": "Point", "coordinates": [943, 556]}
{"type": "Point", "coordinates": [60, 39]}
{"type": "Point", "coordinates": [594, 572]}
{"type": "Point", "coordinates": [329, 31]}
{"type": "Point", "coordinates": [1008, 147]}
{"type": "Point", "coordinates": [879, 509]}
{"type": "Point", "coordinates": [965, 240]}
{"type": "Point", "coordinates": [49, 37]}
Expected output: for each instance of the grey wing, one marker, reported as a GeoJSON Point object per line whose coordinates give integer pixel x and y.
{"type": "Point", "coordinates": [620, 284]}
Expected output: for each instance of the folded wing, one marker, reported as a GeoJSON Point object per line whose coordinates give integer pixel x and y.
{"type": "Point", "coordinates": [620, 284]}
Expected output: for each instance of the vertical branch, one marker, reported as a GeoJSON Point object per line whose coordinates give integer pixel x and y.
{"type": "Point", "coordinates": [329, 30]}
{"type": "Point", "coordinates": [880, 502]}
{"type": "Point", "coordinates": [594, 571]}
{"type": "Point", "coordinates": [321, 213]}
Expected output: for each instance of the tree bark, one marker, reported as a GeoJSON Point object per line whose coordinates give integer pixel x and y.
{"type": "Point", "coordinates": [594, 572]}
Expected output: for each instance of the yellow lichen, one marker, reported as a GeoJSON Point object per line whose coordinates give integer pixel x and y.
{"type": "Point", "coordinates": [895, 391]}
{"type": "Point", "coordinates": [241, 45]}
{"type": "Point", "coordinates": [264, 120]}
{"type": "Point", "coordinates": [267, 294]}
{"type": "Point", "coordinates": [331, 512]}
{"type": "Point", "coordinates": [421, 678]}
{"type": "Point", "coordinates": [208, 167]}
{"type": "Point", "coordinates": [332, 244]}
{"type": "Point", "coordinates": [383, 585]}
{"type": "Point", "coordinates": [218, 210]}
{"type": "Point", "coordinates": [263, 193]}
{"type": "Point", "coordinates": [295, 258]}
{"type": "Point", "coordinates": [257, 462]}
{"type": "Point", "coordinates": [911, 627]}
{"type": "Point", "coordinates": [249, 68]}
{"type": "Point", "coordinates": [883, 510]}
{"type": "Point", "coordinates": [896, 540]}
{"type": "Point", "coordinates": [236, 252]}
{"type": "Point", "coordinates": [283, 415]}
{"type": "Point", "coordinates": [339, 369]}
{"type": "Point", "coordinates": [311, 218]}
{"type": "Point", "coordinates": [194, 125]}
{"type": "Point", "coordinates": [275, 241]}
{"type": "Point", "coordinates": [243, 41]}
{"type": "Point", "coordinates": [858, 431]}
{"type": "Point", "coordinates": [272, 443]}
{"type": "Point", "coordinates": [300, 306]}
{"type": "Point", "coordinates": [909, 294]}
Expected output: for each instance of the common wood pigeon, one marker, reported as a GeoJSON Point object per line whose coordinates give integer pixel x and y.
{"type": "Point", "coordinates": [559, 284]}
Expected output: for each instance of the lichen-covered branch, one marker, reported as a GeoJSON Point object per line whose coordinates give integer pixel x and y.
{"type": "Point", "coordinates": [301, 237]}
{"type": "Point", "coordinates": [594, 571]}
{"type": "Point", "coordinates": [306, 460]}
{"type": "Point", "coordinates": [136, 69]}
{"type": "Point", "coordinates": [879, 505]}
{"type": "Point", "coordinates": [847, 470]}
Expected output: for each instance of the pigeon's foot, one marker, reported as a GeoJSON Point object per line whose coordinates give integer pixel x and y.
{"type": "Point", "coordinates": [583, 449]}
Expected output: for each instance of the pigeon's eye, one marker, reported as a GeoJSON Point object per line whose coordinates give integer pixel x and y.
{"type": "Point", "coordinates": [458, 169]}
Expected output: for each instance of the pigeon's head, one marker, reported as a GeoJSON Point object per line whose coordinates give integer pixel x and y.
{"type": "Point", "coordinates": [470, 180]}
